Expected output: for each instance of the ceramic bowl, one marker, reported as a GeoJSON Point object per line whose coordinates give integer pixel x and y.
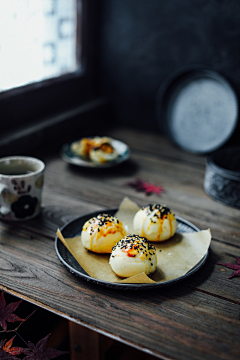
{"type": "Point", "coordinates": [222, 177]}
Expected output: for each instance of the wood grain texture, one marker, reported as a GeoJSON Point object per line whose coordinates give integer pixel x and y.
{"type": "Point", "coordinates": [173, 317]}
{"type": "Point", "coordinates": [198, 318]}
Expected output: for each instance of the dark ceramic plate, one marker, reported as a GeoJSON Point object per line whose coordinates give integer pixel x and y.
{"type": "Point", "coordinates": [68, 155]}
{"type": "Point", "coordinates": [74, 227]}
{"type": "Point", "coordinates": [222, 176]}
{"type": "Point", "coordinates": [198, 110]}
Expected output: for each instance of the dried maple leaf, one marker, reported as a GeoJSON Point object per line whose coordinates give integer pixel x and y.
{"type": "Point", "coordinates": [6, 356]}
{"type": "Point", "coordinates": [40, 352]}
{"type": "Point", "coordinates": [9, 352]}
{"type": "Point", "coordinates": [6, 312]}
{"type": "Point", "coordinates": [235, 267]}
{"type": "Point", "coordinates": [141, 185]}
{"type": "Point", "coordinates": [3, 354]}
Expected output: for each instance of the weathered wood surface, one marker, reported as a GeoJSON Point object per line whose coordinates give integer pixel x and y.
{"type": "Point", "coordinates": [198, 318]}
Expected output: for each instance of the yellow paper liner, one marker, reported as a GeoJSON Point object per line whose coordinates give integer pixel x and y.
{"type": "Point", "coordinates": [175, 256]}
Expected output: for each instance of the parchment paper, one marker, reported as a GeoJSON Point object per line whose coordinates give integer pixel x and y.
{"type": "Point", "coordinates": [176, 256]}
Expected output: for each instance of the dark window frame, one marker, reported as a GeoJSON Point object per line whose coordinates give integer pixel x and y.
{"type": "Point", "coordinates": [23, 106]}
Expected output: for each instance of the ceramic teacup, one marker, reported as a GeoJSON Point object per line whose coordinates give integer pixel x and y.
{"type": "Point", "coordinates": [21, 182]}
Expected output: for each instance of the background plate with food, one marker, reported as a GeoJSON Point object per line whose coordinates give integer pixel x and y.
{"type": "Point", "coordinates": [95, 152]}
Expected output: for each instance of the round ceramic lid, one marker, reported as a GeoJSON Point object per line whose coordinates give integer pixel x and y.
{"type": "Point", "coordinates": [198, 110]}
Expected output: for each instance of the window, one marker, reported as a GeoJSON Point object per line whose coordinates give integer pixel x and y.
{"type": "Point", "coordinates": [39, 41]}
{"type": "Point", "coordinates": [46, 62]}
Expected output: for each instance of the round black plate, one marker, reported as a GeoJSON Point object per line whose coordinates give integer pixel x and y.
{"type": "Point", "coordinates": [74, 228]}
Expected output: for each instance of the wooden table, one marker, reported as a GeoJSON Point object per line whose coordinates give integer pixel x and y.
{"type": "Point", "coordinates": [198, 318]}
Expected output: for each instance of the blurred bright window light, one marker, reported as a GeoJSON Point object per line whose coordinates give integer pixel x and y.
{"type": "Point", "coordinates": [38, 40]}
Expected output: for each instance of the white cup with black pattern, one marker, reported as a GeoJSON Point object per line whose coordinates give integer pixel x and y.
{"type": "Point", "coordinates": [21, 183]}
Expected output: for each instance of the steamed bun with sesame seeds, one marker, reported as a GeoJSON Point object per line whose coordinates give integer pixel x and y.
{"type": "Point", "coordinates": [156, 222]}
{"type": "Point", "coordinates": [133, 255]}
{"type": "Point", "coordinates": [101, 233]}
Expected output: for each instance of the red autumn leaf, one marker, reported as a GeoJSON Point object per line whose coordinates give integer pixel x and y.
{"type": "Point", "coordinates": [6, 356]}
{"type": "Point", "coordinates": [7, 351]}
{"type": "Point", "coordinates": [40, 352]}
{"type": "Point", "coordinates": [6, 312]}
{"type": "Point", "coordinates": [232, 266]}
{"type": "Point", "coordinates": [141, 185]}
{"type": "Point", "coordinates": [150, 188]}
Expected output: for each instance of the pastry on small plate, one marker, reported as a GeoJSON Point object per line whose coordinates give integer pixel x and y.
{"type": "Point", "coordinates": [98, 149]}
{"type": "Point", "coordinates": [155, 222]}
{"type": "Point", "coordinates": [102, 153]}
{"type": "Point", "coordinates": [133, 255]}
{"type": "Point", "coordinates": [95, 152]}
{"type": "Point", "coordinates": [101, 233]}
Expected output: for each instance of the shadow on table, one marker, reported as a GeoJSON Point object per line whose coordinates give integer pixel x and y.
{"type": "Point", "coordinates": [160, 294]}
{"type": "Point", "coordinates": [128, 168]}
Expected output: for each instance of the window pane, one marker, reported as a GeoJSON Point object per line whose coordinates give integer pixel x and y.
{"type": "Point", "coordinates": [38, 40]}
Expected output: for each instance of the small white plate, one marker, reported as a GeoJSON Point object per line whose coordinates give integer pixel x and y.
{"type": "Point", "coordinates": [71, 158]}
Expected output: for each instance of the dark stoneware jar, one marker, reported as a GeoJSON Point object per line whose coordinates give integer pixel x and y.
{"type": "Point", "coordinates": [222, 177]}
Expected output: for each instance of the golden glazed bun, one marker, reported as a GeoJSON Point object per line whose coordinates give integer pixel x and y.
{"type": "Point", "coordinates": [101, 233]}
{"type": "Point", "coordinates": [156, 222]}
{"type": "Point", "coordinates": [133, 255]}
{"type": "Point", "coordinates": [103, 153]}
